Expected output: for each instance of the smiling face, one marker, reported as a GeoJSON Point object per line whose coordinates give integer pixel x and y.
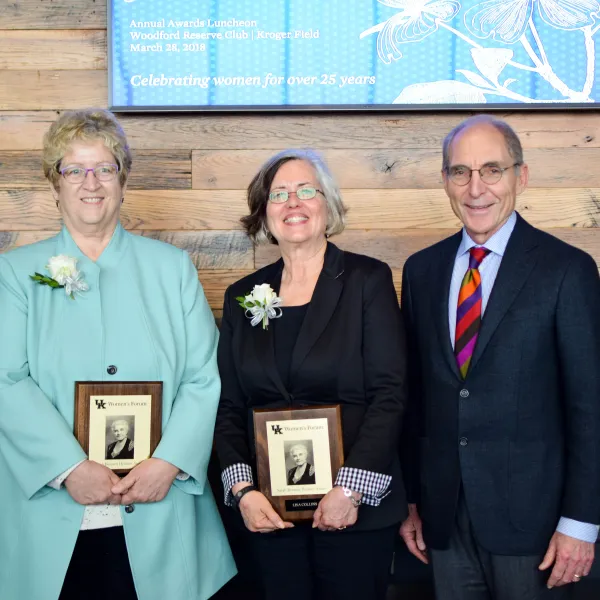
{"type": "Point", "coordinates": [483, 208]}
{"type": "Point", "coordinates": [120, 430]}
{"type": "Point", "coordinates": [299, 454]}
{"type": "Point", "coordinates": [297, 221]}
{"type": "Point", "coordinates": [91, 206]}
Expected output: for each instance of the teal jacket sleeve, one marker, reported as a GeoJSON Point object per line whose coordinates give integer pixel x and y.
{"type": "Point", "coordinates": [35, 440]}
{"type": "Point", "coordinates": [187, 436]}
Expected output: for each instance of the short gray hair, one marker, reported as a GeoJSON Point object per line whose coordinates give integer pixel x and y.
{"type": "Point", "coordinates": [114, 424]}
{"type": "Point", "coordinates": [258, 195]}
{"type": "Point", "coordinates": [299, 445]}
{"type": "Point", "coordinates": [513, 143]}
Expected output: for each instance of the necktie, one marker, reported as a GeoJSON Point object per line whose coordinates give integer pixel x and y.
{"type": "Point", "coordinates": [468, 312]}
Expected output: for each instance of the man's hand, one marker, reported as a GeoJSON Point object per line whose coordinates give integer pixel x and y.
{"type": "Point", "coordinates": [412, 534]}
{"type": "Point", "coordinates": [149, 481]}
{"type": "Point", "coordinates": [572, 559]}
{"type": "Point", "coordinates": [258, 514]}
{"type": "Point", "coordinates": [91, 483]}
{"type": "Point", "coordinates": [335, 511]}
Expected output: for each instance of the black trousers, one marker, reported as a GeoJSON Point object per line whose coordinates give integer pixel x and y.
{"type": "Point", "coordinates": [307, 564]}
{"type": "Point", "coordinates": [466, 571]}
{"type": "Point", "coordinates": [99, 568]}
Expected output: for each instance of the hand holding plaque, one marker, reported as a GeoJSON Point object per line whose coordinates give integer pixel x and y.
{"type": "Point", "coordinates": [299, 452]}
{"type": "Point", "coordinates": [118, 424]}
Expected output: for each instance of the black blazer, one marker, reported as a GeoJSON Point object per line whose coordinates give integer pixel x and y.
{"type": "Point", "coordinates": [306, 479]}
{"type": "Point", "coordinates": [522, 432]}
{"type": "Point", "coordinates": [350, 351]}
{"type": "Point", "coordinates": [126, 452]}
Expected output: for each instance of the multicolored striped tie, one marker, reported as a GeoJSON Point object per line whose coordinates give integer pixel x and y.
{"type": "Point", "coordinates": [468, 312]}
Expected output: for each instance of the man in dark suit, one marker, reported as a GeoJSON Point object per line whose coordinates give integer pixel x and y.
{"type": "Point", "coordinates": [122, 447]}
{"type": "Point", "coordinates": [303, 473]}
{"type": "Point", "coordinates": [503, 320]}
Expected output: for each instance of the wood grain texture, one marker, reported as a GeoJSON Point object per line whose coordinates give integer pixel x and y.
{"type": "Point", "coordinates": [55, 50]}
{"type": "Point", "coordinates": [405, 168]}
{"type": "Point", "coordinates": [394, 247]}
{"type": "Point", "coordinates": [26, 209]}
{"type": "Point", "coordinates": [40, 90]}
{"type": "Point", "coordinates": [53, 14]}
{"type": "Point", "coordinates": [23, 130]}
{"type": "Point", "coordinates": [152, 169]}
{"type": "Point", "coordinates": [209, 250]}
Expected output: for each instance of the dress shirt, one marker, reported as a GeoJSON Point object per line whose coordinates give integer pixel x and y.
{"type": "Point", "coordinates": [488, 270]}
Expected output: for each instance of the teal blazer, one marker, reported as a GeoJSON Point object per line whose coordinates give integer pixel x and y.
{"type": "Point", "coordinates": [146, 314]}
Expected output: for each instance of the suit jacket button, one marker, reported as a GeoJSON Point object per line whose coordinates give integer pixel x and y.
{"type": "Point", "coordinates": [464, 393]}
{"type": "Point", "coordinates": [129, 509]}
{"type": "Point", "coordinates": [111, 370]}
{"type": "Point", "coordinates": [463, 441]}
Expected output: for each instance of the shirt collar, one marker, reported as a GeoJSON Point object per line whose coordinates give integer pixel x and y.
{"type": "Point", "coordinates": [496, 244]}
{"type": "Point", "coordinates": [109, 257]}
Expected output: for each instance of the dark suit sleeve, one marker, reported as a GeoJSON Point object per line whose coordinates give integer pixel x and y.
{"type": "Point", "coordinates": [231, 434]}
{"type": "Point", "coordinates": [409, 438]}
{"type": "Point", "coordinates": [578, 341]}
{"type": "Point", "coordinates": [384, 357]}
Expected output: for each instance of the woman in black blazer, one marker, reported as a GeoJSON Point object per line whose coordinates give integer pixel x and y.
{"type": "Point", "coordinates": [338, 339]}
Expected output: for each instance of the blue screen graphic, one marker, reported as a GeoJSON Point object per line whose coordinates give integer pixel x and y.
{"type": "Point", "coordinates": [230, 54]}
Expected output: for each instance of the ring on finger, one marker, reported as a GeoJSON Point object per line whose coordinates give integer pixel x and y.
{"type": "Point", "coordinates": [576, 577]}
{"type": "Point", "coordinates": [342, 527]}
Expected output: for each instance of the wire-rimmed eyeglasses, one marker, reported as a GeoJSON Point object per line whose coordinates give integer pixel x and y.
{"type": "Point", "coordinates": [78, 173]}
{"type": "Point", "coordinates": [303, 193]}
{"type": "Point", "coordinates": [490, 174]}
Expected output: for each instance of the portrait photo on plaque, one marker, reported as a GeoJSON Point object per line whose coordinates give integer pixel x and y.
{"type": "Point", "coordinates": [120, 437]}
{"type": "Point", "coordinates": [118, 424]}
{"type": "Point", "coordinates": [290, 443]}
{"type": "Point", "coordinates": [299, 452]}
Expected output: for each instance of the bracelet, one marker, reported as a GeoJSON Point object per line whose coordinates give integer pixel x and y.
{"type": "Point", "coordinates": [241, 493]}
{"type": "Point", "coordinates": [348, 493]}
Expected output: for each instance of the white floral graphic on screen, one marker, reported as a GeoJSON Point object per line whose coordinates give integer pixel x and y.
{"type": "Point", "coordinates": [501, 24]}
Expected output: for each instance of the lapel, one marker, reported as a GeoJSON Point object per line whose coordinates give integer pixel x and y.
{"type": "Point", "coordinates": [516, 265]}
{"type": "Point", "coordinates": [263, 339]}
{"type": "Point", "coordinates": [440, 293]}
{"type": "Point", "coordinates": [322, 306]}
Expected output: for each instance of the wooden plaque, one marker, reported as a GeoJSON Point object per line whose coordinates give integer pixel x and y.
{"type": "Point", "coordinates": [118, 423]}
{"type": "Point", "coordinates": [299, 452]}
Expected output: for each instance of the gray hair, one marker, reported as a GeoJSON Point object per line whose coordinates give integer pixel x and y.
{"type": "Point", "coordinates": [115, 423]}
{"type": "Point", "coordinates": [299, 445]}
{"type": "Point", "coordinates": [513, 143]}
{"type": "Point", "coordinates": [258, 195]}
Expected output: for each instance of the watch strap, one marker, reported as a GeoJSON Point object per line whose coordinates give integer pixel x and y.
{"type": "Point", "coordinates": [241, 493]}
{"type": "Point", "coordinates": [348, 493]}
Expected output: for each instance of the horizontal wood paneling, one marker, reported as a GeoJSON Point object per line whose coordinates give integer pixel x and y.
{"type": "Point", "coordinates": [394, 247]}
{"type": "Point", "coordinates": [55, 50]}
{"type": "Point", "coordinates": [23, 130]}
{"type": "Point", "coordinates": [52, 89]}
{"type": "Point", "coordinates": [400, 168]}
{"type": "Point", "coordinates": [208, 249]}
{"type": "Point", "coordinates": [152, 169]}
{"type": "Point", "coordinates": [368, 209]}
{"type": "Point", "coordinates": [53, 14]}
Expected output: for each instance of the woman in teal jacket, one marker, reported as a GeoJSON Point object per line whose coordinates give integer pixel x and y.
{"type": "Point", "coordinates": [130, 309]}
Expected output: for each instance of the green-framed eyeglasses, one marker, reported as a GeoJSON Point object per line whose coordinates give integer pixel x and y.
{"type": "Point", "coordinates": [303, 193]}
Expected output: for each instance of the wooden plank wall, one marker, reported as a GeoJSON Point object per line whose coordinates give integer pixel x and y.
{"type": "Point", "coordinates": [190, 170]}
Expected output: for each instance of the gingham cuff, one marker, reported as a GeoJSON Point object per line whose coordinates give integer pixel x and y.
{"type": "Point", "coordinates": [232, 475]}
{"type": "Point", "coordinates": [373, 486]}
{"type": "Point", "coordinates": [57, 482]}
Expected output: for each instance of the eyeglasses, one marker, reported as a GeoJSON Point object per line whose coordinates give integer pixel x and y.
{"type": "Point", "coordinates": [304, 193]}
{"type": "Point", "coordinates": [78, 173]}
{"type": "Point", "coordinates": [490, 174]}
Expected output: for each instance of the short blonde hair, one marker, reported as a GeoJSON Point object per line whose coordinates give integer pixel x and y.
{"type": "Point", "coordinates": [83, 126]}
{"type": "Point", "coordinates": [255, 223]}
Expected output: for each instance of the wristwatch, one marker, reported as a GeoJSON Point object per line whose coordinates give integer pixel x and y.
{"type": "Point", "coordinates": [348, 493]}
{"type": "Point", "coordinates": [241, 493]}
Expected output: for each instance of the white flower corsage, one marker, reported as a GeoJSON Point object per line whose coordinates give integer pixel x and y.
{"type": "Point", "coordinates": [261, 304]}
{"type": "Point", "coordinates": [63, 274]}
